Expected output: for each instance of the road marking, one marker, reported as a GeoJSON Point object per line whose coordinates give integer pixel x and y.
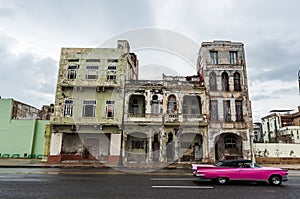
{"type": "Point", "coordinates": [175, 179]}
{"type": "Point", "coordinates": [184, 187]}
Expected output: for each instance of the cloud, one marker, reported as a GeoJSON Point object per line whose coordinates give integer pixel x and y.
{"type": "Point", "coordinates": [25, 77]}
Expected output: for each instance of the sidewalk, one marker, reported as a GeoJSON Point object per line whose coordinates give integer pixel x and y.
{"type": "Point", "coordinates": [38, 163]}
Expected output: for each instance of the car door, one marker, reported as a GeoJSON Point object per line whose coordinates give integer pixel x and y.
{"type": "Point", "coordinates": [248, 172]}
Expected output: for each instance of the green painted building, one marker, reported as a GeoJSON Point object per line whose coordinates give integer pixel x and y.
{"type": "Point", "coordinates": [21, 131]}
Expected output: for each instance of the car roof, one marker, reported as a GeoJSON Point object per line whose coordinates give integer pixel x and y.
{"type": "Point", "coordinates": [228, 162]}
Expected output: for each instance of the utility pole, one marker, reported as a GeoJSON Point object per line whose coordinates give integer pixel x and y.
{"type": "Point", "coordinates": [299, 80]}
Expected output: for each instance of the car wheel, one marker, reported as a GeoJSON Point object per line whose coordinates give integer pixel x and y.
{"type": "Point", "coordinates": [221, 180]}
{"type": "Point", "coordinates": [275, 180]}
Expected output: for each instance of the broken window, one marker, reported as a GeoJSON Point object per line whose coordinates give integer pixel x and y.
{"type": "Point", "coordinates": [230, 142]}
{"type": "Point", "coordinates": [225, 81]}
{"type": "Point", "coordinates": [89, 108]}
{"type": "Point", "coordinates": [91, 72]}
{"type": "Point", "coordinates": [239, 111]}
{"type": "Point", "coordinates": [213, 57]}
{"type": "Point", "coordinates": [233, 57]}
{"type": "Point", "coordinates": [226, 110]}
{"type": "Point", "coordinates": [72, 72]}
{"type": "Point", "coordinates": [111, 73]}
{"type": "Point", "coordinates": [214, 110]}
{"type": "Point", "coordinates": [213, 81]}
{"type": "Point", "coordinates": [68, 108]}
{"type": "Point", "coordinates": [237, 82]}
{"type": "Point", "coordinates": [110, 108]}
{"type": "Point", "coordinates": [172, 104]}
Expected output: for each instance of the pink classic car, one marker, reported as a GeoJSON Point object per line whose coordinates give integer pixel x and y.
{"type": "Point", "coordinates": [244, 170]}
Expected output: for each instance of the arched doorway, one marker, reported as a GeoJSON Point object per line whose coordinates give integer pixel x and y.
{"type": "Point", "coordinates": [228, 146]}
{"type": "Point", "coordinates": [155, 148]}
{"type": "Point", "coordinates": [136, 147]}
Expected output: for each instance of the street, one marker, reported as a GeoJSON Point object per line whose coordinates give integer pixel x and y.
{"type": "Point", "coordinates": [109, 183]}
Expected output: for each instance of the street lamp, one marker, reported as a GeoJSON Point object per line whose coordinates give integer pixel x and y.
{"type": "Point", "coordinates": [120, 163]}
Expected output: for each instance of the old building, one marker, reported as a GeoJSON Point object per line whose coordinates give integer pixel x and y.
{"type": "Point", "coordinates": [103, 112]}
{"type": "Point", "coordinates": [222, 65]}
{"type": "Point", "coordinates": [165, 120]}
{"type": "Point", "coordinates": [88, 106]}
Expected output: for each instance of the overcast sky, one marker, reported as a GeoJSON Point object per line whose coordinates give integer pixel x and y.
{"type": "Point", "coordinates": [33, 32]}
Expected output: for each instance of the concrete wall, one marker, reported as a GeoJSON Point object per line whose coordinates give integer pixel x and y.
{"type": "Point", "coordinates": [20, 136]}
{"type": "Point", "coordinates": [276, 150]}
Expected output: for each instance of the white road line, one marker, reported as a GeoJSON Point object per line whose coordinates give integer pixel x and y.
{"type": "Point", "coordinates": [171, 179]}
{"type": "Point", "coordinates": [184, 187]}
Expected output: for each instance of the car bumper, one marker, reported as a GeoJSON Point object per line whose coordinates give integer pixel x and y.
{"type": "Point", "coordinates": [285, 178]}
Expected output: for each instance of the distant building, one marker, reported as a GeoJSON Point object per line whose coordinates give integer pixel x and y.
{"type": "Point", "coordinates": [281, 126]}
{"type": "Point", "coordinates": [257, 132]}
{"type": "Point", "coordinates": [22, 131]}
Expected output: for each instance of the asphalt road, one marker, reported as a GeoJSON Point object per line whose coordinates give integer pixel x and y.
{"type": "Point", "coordinates": [95, 183]}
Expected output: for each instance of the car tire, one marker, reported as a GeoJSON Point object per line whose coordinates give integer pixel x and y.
{"type": "Point", "coordinates": [221, 180]}
{"type": "Point", "coordinates": [275, 180]}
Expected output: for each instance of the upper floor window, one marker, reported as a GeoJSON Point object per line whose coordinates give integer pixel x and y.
{"type": "Point", "coordinates": [110, 108]}
{"type": "Point", "coordinates": [89, 108]}
{"type": "Point", "coordinates": [214, 110]}
{"type": "Point", "coordinates": [68, 108]}
{"type": "Point", "coordinates": [239, 111]}
{"type": "Point", "coordinates": [91, 72]}
{"type": "Point", "coordinates": [213, 57]}
{"type": "Point", "coordinates": [233, 57]}
{"type": "Point", "coordinates": [72, 72]}
{"type": "Point", "coordinates": [237, 81]}
{"type": "Point", "coordinates": [154, 105]}
{"type": "Point", "coordinates": [213, 81]}
{"type": "Point", "coordinates": [111, 73]}
{"type": "Point", "coordinates": [172, 104]}
{"type": "Point", "coordinates": [225, 81]}
{"type": "Point", "coordinates": [226, 110]}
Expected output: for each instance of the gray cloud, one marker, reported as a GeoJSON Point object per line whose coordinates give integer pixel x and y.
{"type": "Point", "coordinates": [26, 78]}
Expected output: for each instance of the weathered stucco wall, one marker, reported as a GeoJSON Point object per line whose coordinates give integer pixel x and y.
{"type": "Point", "coordinates": [276, 150]}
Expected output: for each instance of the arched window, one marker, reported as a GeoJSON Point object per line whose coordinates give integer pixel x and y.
{"type": "Point", "coordinates": [172, 104]}
{"type": "Point", "coordinates": [237, 81]}
{"type": "Point", "coordinates": [154, 105]}
{"type": "Point", "coordinates": [225, 82]}
{"type": "Point", "coordinates": [212, 81]}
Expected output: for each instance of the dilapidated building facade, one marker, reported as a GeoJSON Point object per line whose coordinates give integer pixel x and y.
{"type": "Point", "coordinates": [222, 65]}
{"type": "Point", "coordinates": [104, 112]}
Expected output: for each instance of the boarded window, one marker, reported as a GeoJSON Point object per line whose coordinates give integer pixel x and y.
{"type": "Point", "coordinates": [239, 111]}
{"type": "Point", "coordinates": [213, 81]}
{"type": "Point", "coordinates": [92, 72]}
{"type": "Point", "coordinates": [226, 110]}
{"type": "Point", "coordinates": [214, 110]}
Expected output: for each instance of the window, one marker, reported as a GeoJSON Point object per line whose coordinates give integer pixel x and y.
{"type": "Point", "coordinates": [239, 111]}
{"type": "Point", "coordinates": [213, 57]}
{"type": "Point", "coordinates": [89, 108]}
{"type": "Point", "coordinates": [212, 81]}
{"type": "Point", "coordinates": [91, 72]}
{"type": "Point", "coordinates": [154, 105]}
{"type": "Point", "coordinates": [226, 111]}
{"type": "Point", "coordinates": [225, 81]}
{"type": "Point", "coordinates": [214, 110]}
{"type": "Point", "coordinates": [172, 104]}
{"type": "Point", "coordinates": [68, 108]}
{"type": "Point", "coordinates": [137, 144]}
{"type": "Point", "coordinates": [72, 72]}
{"type": "Point", "coordinates": [110, 108]}
{"type": "Point", "coordinates": [233, 57]}
{"type": "Point", "coordinates": [92, 60]}
{"type": "Point", "coordinates": [111, 73]}
{"type": "Point", "coordinates": [230, 142]}
{"type": "Point", "coordinates": [237, 82]}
